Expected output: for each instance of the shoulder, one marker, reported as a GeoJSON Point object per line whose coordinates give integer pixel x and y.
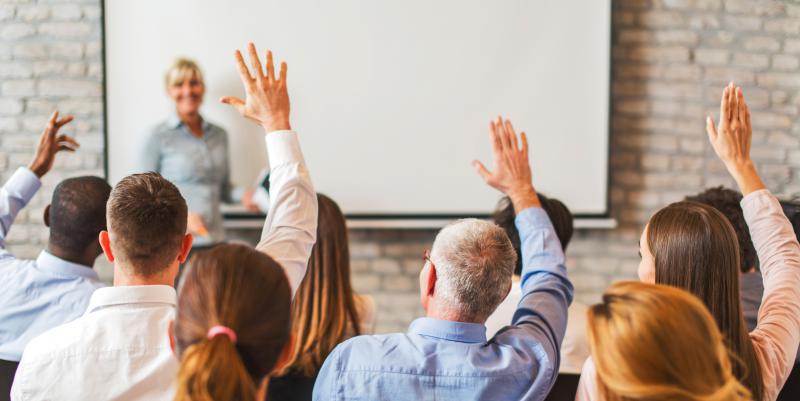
{"type": "Point", "coordinates": [57, 342]}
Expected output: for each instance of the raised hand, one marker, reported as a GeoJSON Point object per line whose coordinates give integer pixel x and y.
{"type": "Point", "coordinates": [512, 172]}
{"type": "Point", "coordinates": [732, 138]}
{"type": "Point", "coordinates": [50, 143]}
{"type": "Point", "coordinates": [267, 99]}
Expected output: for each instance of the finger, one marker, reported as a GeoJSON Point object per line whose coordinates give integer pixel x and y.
{"type": "Point", "coordinates": [512, 135]}
{"type": "Point", "coordinates": [711, 129]}
{"type": "Point", "coordinates": [68, 148]}
{"type": "Point", "coordinates": [482, 170]}
{"type": "Point", "coordinates": [255, 62]}
{"type": "Point", "coordinates": [505, 138]}
{"type": "Point", "coordinates": [284, 67]}
{"type": "Point", "coordinates": [244, 73]}
{"type": "Point", "coordinates": [237, 103]}
{"type": "Point", "coordinates": [742, 113]}
{"type": "Point", "coordinates": [524, 139]}
{"type": "Point", "coordinates": [734, 104]}
{"type": "Point", "coordinates": [64, 121]}
{"type": "Point", "coordinates": [270, 67]}
{"type": "Point", "coordinates": [494, 134]}
{"type": "Point", "coordinates": [66, 139]}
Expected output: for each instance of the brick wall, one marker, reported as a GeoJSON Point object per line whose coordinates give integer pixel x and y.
{"type": "Point", "coordinates": [671, 59]}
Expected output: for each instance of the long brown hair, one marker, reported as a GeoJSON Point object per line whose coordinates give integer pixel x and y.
{"type": "Point", "coordinates": [696, 249]}
{"type": "Point", "coordinates": [658, 343]}
{"type": "Point", "coordinates": [324, 309]}
{"type": "Point", "coordinates": [245, 290]}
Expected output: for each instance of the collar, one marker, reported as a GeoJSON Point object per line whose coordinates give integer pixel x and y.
{"type": "Point", "coordinates": [53, 264]}
{"type": "Point", "coordinates": [132, 294]}
{"type": "Point", "coordinates": [173, 121]}
{"type": "Point", "coordinates": [448, 330]}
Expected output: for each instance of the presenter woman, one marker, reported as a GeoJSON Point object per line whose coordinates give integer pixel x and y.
{"type": "Point", "coordinates": [192, 153]}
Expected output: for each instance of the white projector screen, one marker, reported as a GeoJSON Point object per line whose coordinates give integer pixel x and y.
{"type": "Point", "coordinates": [391, 99]}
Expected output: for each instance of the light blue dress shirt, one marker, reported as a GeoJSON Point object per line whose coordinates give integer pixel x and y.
{"type": "Point", "coordinates": [35, 295]}
{"type": "Point", "coordinates": [199, 167]}
{"type": "Point", "coordinates": [445, 360]}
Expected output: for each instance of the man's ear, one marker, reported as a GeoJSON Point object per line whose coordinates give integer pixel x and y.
{"type": "Point", "coordinates": [286, 353]}
{"type": "Point", "coordinates": [105, 243]}
{"type": "Point", "coordinates": [171, 333]}
{"type": "Point", "coordinates": [431, 280]}
{"type": "Point", "coordinates": [46, 216]}
{"type": "Point", "coordinates": [186, 248]}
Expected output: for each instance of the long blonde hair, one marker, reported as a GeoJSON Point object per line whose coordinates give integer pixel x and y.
{"type": "Point", "coordinates": [324, 310]}
{"type": "Point", "coordinates": [657, 343]}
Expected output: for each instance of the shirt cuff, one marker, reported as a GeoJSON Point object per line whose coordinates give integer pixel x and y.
{"type": "Point", "coordinates": [532, 218]}
{"type": "Point", "coordinates": [23, 183]}
{"type": "Point", "coordinates": [758, 200]}
{"type": "Point", "coordinates": [282, 148]}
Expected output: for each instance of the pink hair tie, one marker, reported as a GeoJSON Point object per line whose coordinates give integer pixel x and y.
{"type": "Point", "coordinates": [227, 331]}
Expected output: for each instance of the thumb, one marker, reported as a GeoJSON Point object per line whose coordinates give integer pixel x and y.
{"type": "Point", "coordinates": [482, 171]}
{"type": "Point", "coordinates": [711, 129]}
{"type": "Point", "coordinates": [233, 101]}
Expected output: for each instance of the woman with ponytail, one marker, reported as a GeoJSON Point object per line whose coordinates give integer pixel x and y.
{"type": "Point", "coordinates": [231, 324]}
{"type": "Point", "coordinates": [659, 343]}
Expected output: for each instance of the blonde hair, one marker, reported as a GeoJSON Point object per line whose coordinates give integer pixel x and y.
{"type": "Point", "coordinates": [658, 343]}
{"type": "Point", "coordinates": [181, 70]}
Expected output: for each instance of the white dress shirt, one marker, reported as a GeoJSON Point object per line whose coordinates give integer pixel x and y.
{"type": "Point", "coordinates": [119, 350]}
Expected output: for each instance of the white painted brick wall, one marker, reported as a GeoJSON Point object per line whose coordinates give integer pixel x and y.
{"type": "Point", "coordinates": [671, 59]}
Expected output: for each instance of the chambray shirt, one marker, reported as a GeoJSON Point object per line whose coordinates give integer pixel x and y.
{"type": "Point", "coordinates": [199, 167]}
{"type": "Point", "coordinates": [446, 360]}
{"type": "Point", "coordinates": [35, 295]}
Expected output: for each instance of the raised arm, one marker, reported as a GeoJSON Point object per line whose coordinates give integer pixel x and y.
{"type": "Point", "coordinates": [291, 225]}
{"type": "Point", "coordinates": [777, 334]}
{"type": "Point", "coordinates": [541, 316]}
{"type": "Point", "coordinates": [20, 188]}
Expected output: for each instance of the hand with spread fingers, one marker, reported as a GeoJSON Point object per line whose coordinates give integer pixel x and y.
{"type": "Point", "coordinates": [512, 172]}
{"type": "Point", "coordinates": [267, 99]}
{"type": "Point", "coordinates": [732, 138]}
{"type": "Point", "coordinates": [50, 143]}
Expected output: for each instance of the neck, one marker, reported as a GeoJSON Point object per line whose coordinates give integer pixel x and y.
{"type": "Point", "coordinates": [124, 277]}
{"type": "Point", "coordinates": [192, 119]}
{"type": "Point", "coordinates": [85, 258]}
{"type": "Point", "coordinates": [450, 314]}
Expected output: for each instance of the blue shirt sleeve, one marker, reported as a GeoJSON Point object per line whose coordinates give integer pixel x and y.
{"type": "Point", "coordinates": [15, 195]}
{"type": "Point", "coordinates": [541, 315]}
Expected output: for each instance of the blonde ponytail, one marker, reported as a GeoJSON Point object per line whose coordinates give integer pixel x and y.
{"type": "Point", "coordinates": [212, 370]}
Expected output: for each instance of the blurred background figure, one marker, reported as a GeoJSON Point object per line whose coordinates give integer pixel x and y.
{"type": "Point", "coordinates": [192, 153]}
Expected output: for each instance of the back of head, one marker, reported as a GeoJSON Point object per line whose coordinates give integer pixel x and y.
{"type": "Point", "coordinates": [324, 311]}
{"type": "Point", "coordinates": [78, 213]}
{"type": "Point", "coordinates": [246, 291]}
{"type": "Point", "coordinates": [696, 249]}
{"type": "Point", "coordinates": [658, 343]}
{"type": "Point", "coordinates": [146, 222]}
{"type": "Point", "coordinates": [474, 262]}
{"type": "Point", "coordinates": [561, 217]}
{"type": "Point", "coordinates": [727, 202]}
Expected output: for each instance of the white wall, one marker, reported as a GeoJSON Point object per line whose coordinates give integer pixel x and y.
{"type": "Point", "coordinates": [391, 99]}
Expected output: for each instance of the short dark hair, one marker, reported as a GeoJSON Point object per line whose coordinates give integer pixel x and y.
{"type": "Point", "coordinates": [559, 214]}
{"type": "Point", "coordinates": [147, 222]}
{"type": "Point", "coordinates": [727, 202]}
{"type": "Point", "coordinates": [78, 213]}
